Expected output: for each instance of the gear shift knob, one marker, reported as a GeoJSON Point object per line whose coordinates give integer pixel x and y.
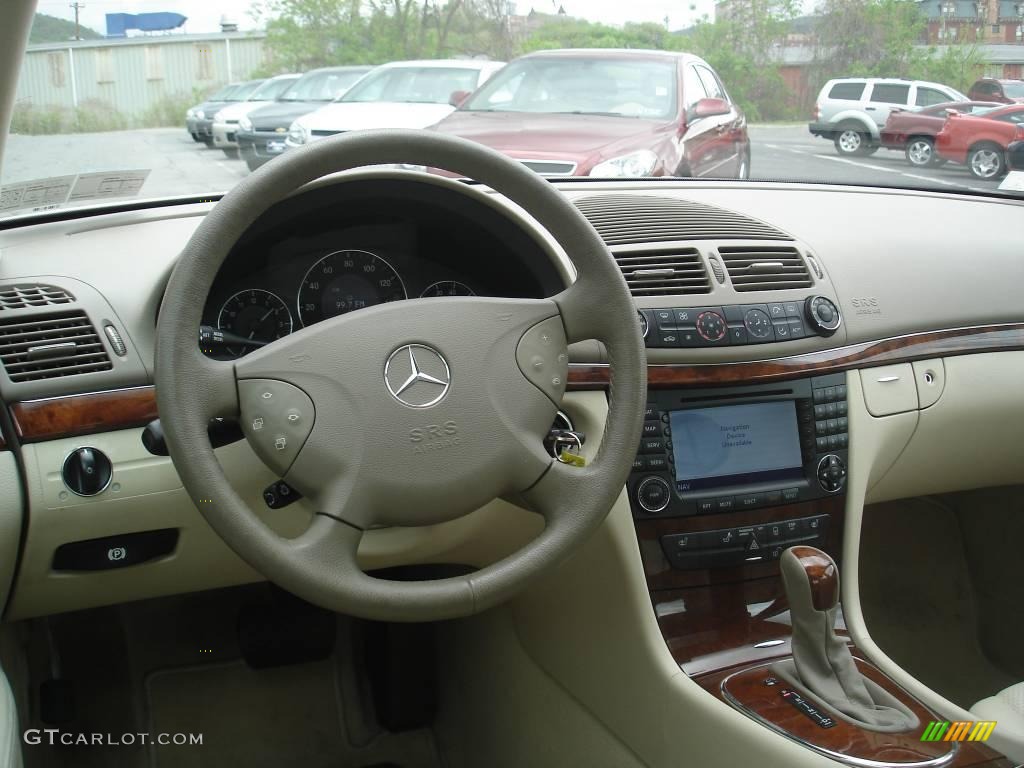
{"type": "Point", "coordinates": [815, 568]}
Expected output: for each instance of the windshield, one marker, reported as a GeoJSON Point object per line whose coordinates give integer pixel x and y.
{"type": "Point", "coordinates": [419, 85]}
{"type": "Point", "coordinates": [271, 89]}
{"type": "Point", "coordinates": [818, 91]}
{"type": "Point", "coordinates": [244, 91]}
{"type": "Point", "coordinates": [592, 86]}
{"type": "Point", "coordinates": [322, 86]}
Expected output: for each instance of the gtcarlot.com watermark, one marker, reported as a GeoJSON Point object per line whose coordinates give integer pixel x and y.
{"type": "Point", "coordinates": [55, 736]}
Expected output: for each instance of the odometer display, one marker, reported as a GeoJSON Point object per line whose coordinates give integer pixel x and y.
{"type": "Point", "coordinates": [344, 281]}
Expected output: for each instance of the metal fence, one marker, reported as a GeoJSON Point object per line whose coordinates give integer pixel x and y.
{"type": "Point", "coordinates": [134, 74]}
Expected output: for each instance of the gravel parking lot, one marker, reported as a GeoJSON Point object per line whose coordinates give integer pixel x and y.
{"type": "Point", "coordinates": [179, 165]}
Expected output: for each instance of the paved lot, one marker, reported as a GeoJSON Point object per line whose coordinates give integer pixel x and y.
{"type": "Point", "coordinates": [179, 165]}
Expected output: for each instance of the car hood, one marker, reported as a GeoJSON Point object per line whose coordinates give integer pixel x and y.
{"type": "Point", "coordinates": [572, 137]}
{"type": "Point", "coordinates": [281, 114]}
{"type": "Point", "coordinates": [354, 116]}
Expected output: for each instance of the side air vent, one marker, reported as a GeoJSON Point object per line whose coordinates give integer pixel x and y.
{"type": "Point", "coordinates": [767, 268]}
{"type": "Point", "coordinates": [664, 273]}
{"type": "Point", "coordinates": [717, 268]}
{"type": "Point", "coordinates": [624, 219]}
{"type": "Point", "coordinates": [22, 296]}
{"type": "Point", "coordinates": [49, 346]}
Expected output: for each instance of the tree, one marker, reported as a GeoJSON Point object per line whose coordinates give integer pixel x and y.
{"type": "Point", "coordinates": [868, 38]}
{"type": "Point", "coordinates": [50, 29]}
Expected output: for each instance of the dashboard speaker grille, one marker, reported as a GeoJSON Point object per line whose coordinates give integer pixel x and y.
{"type": "Point", "coordinates": [24, 296]}
{"type": "Point", "coordinates": [49, 346]}
{"type": "Point", "coordinates": [664, 273]}
{"type": "Point", "coordinates": [626, 219]}
{"type": "Point", "coordinates": [765, 268]}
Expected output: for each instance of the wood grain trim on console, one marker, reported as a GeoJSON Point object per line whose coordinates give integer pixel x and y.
{"type": "Point", "coordinates": [58, 417]}
{"type": "Point", "coordinates": [916, 346]}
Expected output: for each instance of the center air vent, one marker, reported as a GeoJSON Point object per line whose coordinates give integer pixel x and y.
{"type": "Point", "coordinates": [664, 273]}
{"type": "Point", "coordinates": [624, 219]}
{"type": "Point", "coordinates": [765, 268]}
{"type": "Point", "coordinates": [49, 346]}
{"type": "Point", "coordinates": [22, 296]}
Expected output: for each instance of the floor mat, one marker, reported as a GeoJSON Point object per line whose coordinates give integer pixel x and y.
{"type": "Point", "coordinates": [918, 601]}
{"type": "Point", "coordinates": [270, 718]}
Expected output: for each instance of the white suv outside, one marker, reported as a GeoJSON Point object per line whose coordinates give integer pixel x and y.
{"type": "Point", "coordinates": [851, 111]}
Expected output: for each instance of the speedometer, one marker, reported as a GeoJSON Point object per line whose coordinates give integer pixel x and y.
{"type": "Point", "coordinates": [343, 281]}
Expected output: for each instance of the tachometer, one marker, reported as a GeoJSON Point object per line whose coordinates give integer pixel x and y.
{"type": "Point", "coordinates": [447, 288]}
{"type": "Point", "coordinates": [254, 314]}
{"type": "Point", "coordinates": [346, 280]}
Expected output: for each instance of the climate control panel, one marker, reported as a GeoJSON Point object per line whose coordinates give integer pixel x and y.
{"type": "Point", "coordinates": [739, 324]}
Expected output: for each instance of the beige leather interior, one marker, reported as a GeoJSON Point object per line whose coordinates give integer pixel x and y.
{"type": "Point", "coordinates": [1007, 709]}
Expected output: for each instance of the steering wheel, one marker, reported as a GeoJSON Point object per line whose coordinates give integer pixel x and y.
{"type": "Point", "coordinates": [404, 414]}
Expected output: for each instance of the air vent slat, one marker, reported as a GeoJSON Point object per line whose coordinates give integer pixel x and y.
{"type": "Point", "coordinates": [30, 295]}
{"type": "Point", "coordinates": [628, 219]}
{"type": "Point", "coordinates": [664, 273]}
{"type": "Point", "coordinates": [759, 268]}
{"type": "Point", "coordinates": [76, 347]}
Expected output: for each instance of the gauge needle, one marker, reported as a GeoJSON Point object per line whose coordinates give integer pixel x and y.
{"type": "Point", "coordinates": [265, 317]}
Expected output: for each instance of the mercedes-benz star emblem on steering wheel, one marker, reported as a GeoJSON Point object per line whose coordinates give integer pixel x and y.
{"type": "Point", "coordinates": [417, 375]}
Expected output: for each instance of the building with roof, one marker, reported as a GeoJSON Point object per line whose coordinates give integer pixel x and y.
{"type": "Point", "coordinates": [134, 74]}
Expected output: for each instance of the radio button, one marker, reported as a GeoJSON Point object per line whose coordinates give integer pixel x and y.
{"type": "Point", "coordinates": [652, 429]}
{"type": "Point", "coordinates": [750, 500]}
{"type": "Point", "coordinates": [821, 444]}
{"type": "Point", "coordinates": [706, 506]}
{"type": "Point", "coordinates": [833, 426]}
{"type": "Point", "coordinates": [819, 395]}
{"type": "Point", "coordinates": [657, 463]}
{"type": "Point", "coordinates": [652, 445]}
{"type": "Point", "coordinates": [725, 504]}
{"type": "Point", "coordinates": [653, 494]}
{"type": "Point", "coordinates": [651, 413]}
{"type": "Point", "coordinates": [790, 494]}
{"type": "Point", "coordinates": [639, 463]}
{"type": "Point", "coordinates": [841, 392]}
{"type": "Point", "coordinates": [831, 410]}
{"type": "Point", "coordinates": [771, 498]}
{"type": "Point", "coordinates": [821, 411]}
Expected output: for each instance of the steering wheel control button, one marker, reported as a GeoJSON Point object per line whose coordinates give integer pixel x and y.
{"type": "Point", "coordinates": [822, 315]}
{"type": "Point", "coordinates": [417, 376]}
{"type": "Point", "coordinates": [653, 494]}
{"type": "Point", "coordinates": [277, 417]}
{"type": "Point", "coordinates": [279, 495]}
{"type": "Point", "coordinates": [86, 471]}
{"type": "Point", "coordinates": [543, 357]}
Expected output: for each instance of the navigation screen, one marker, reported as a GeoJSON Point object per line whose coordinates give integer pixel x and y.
{"type": "Point", "coordinates": [735, 445]}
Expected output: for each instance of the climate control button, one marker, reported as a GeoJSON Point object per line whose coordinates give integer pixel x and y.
{"type": "Point", "coordinates": [653, 494]}
{"type": "Point", "coordinates": [822, 315]}
{"type": "Point", "coordinates": [758, 325]}
{"type": "Point", "coordinates": [711, 326]}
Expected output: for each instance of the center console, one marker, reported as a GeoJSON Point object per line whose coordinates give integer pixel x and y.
{"type": "Point", "coordinates": [712, 452]}
{"type": "Point", "coordinates": [726, 480]}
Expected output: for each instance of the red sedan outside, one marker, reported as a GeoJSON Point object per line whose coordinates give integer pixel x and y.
{"type": "Point", "coordinates": [608, 113]}
{"type": "Point", "coordinates": [980, 141]}
{"type": "Point", "coordinates": [912, 131]}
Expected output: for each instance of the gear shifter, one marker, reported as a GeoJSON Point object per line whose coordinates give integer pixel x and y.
{"type": "Point", "coordinates": [822, 665]}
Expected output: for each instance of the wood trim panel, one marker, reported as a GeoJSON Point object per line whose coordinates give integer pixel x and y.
{"type": "Point", "coordinates": [748, 687]}
{"type": "Point", "coordinates": [917, 346]}
{"type": "Point", "coordinates": [58, 417]}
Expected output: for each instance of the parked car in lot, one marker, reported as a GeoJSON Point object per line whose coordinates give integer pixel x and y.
{"type": "Point", "coordinates": [203, 113]}
{"type": "Point", "coordinates": [851, 111]}
{"type": "Point", "coordinates": [608, 113]}
{"type": "Point", "coordinates": [1002, 91]}
{"type": "Point", "coordinates": [913, 131]}
{"type": "Point", "coordinates": [213, 103]}
{"type": "Point", "coordinates": [261, 133]}
{"type": "Point", "coordinates": [225, 121]}
{"type": "Point", "coordinates": [402, 94]}
{"type": "Point", "coordinates": [980, 141]}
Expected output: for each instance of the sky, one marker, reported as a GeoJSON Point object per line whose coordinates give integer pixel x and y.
{"type": "Point", "coordinates": [204, 15]}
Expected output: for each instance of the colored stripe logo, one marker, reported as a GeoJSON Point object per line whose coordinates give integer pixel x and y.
{"type": "Point", "coordinates": [958, 731]}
